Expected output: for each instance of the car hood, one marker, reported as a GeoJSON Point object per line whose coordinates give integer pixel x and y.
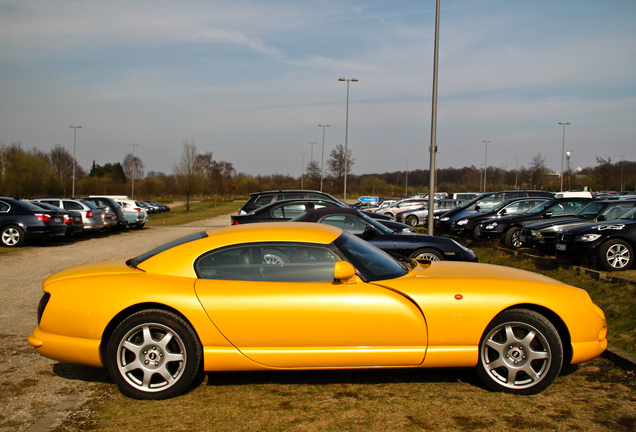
{"type": "Point", "coordinates": [605, 226]}
{"type": "Point", "coordinates": [561, 224]}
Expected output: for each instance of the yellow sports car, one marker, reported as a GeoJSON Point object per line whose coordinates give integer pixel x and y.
{"type": "Point", "coordinates": [283, 296]}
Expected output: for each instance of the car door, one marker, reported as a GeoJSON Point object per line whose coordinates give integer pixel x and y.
{"type": "Point", "coordinates": [279, 305]}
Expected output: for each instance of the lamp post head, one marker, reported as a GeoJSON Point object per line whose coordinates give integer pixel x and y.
{"type": "Point", "coordinates": [324, 125]}
{"type": "Point", "coordinates": [348, 79]}
{"type": "Point", "coordinates": [564, 123]}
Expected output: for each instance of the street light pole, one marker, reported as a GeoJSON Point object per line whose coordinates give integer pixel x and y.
{"type": "Point", "coordinates": [516, 172]}
{"type": "Point", "coordinates": [568, 154]}
{"type": "Point", "coordinates": [322, 160]}
{"type": "Point", "coordinates": [406, 182]}
{"type": "Point", "coordinates": [485, 163]}
{"type": "Point", "coordinates": [75, 128]}
{"type": "Point", "coordinates": [311, 143]}
{"type": "Point", "coordinates": [346, 155]}
{"type": "Point", "coordinates": [132, 193]}
{"type": "Point", "coordinates": [563, 151]}
{"type": "Point", "coordinates": [302, 171]}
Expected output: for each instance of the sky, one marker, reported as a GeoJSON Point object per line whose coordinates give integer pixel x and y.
{"type": "Point", "coordinates": [250, 81]}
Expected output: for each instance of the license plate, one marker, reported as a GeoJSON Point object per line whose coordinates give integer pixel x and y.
{"type": "Point", "coordinates": [560, 247]}
{"type": "Point", "coordinates": [57, 220]}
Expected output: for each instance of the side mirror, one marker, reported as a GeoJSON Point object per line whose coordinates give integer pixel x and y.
{"type": "Point", "coordinates": [503, 212]}
{"type": "Point", "coordinates": [344, 272]}
{"type": "Point", "coordinates": [601, 218]}
{"type": "Point", "coordinates": [369, 231]}
{"type": "Point", "coordinates": [548, 215]}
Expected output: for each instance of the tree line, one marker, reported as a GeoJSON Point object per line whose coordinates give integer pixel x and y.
{"type": "Point", "coordinates": [34, 173]}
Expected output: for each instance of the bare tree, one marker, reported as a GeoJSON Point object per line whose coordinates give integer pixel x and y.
{"type": "Point", "coordinates": [336, 164]}
{"type": "Point", "coordinates": [188, 171]}
{"type": "Point", "coordinates": [538, 169]}
{"type": "Point", "coordinates": [133, 162]}
{"type": "Point", "coordinates": [61, 162]}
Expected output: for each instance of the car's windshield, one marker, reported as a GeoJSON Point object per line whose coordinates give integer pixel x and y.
{"type": "Point", "coordinates": [144, 256]}
{"type": "Point", "coordinates": [591, 210]}
{"type": "Point", "coordinates": [372, 263]}
{"type": "Point", "coordinates": [540, 207]}
{"type": "Point", "coordinates": [380, 227]}
{"type": "Point", "coordinates": [629, 215]}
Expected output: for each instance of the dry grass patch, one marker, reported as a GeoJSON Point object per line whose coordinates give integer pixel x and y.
{"type": "Point", "coordinates": [598, 396]}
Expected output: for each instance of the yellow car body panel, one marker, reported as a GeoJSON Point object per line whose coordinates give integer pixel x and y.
{"type": "Point", "coordinates": [434, 316]}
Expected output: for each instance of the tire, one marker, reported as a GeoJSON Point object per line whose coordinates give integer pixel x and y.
{"type": "Point", "coordinates": [520, 352]}
{"type": "Point", "coordinates": [428, 254]}
{"type": "Point", "coordinates": [139, 225]}
{"type": "Point", "coordinates": [476, 232]}
{"type": "Point", "coordinates": [511, 239]}
{"type": "Point", "coordinates": [153, 354]}
{"type": "Point", "coordinates": [411, 220]}
{"type": "Point", "coordinates": [12, 236]}
{"type": "Point", "coordinates": [274, 257]}
{"type": "Point", "coordinates": [616, 255]}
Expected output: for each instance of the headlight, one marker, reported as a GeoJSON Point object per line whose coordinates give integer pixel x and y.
{"type": "Point", "coordinates": [462, 222]}
{"type": "Point", "coordinates": [536, 233]}
{"type": "Point", "coordinates": [491, 226]}
{"type": "Point", "coordinates": [445, 219]}
{"type": "Point", "coordinates": [590, 237]}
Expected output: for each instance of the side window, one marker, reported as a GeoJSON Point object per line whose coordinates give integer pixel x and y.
{"type": "Point", "coordinates": [292, 196]}
{"type": "Point", "coordinates": [346, 222]}
{"type": "Point", "coordinates": [70, 205]}
{"type": "Point", "coordinates": [316, 196]}
{"type": "Point", "coordinates": [263, 199]}
{"type": "Point", "coordinates": [4, 207]}
{"type": "Point", "coordinates": [269, 262]}
{"type": "Point", "coordinates": [516, 208]}
{"type": "Point", "coordinates": [55, 203]}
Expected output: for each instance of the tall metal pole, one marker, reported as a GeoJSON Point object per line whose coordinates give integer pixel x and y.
{"type": "Point", "coordinates": [406, 181]}
{"type": "Point", "coordinates": [346, 155]}
{"type": "Point", "coordinates": [75, 128]}
{"type": "Point", "coordinates": [433, 147]}
{"type": "Point", "coordinates": [622, 169]}
{"type": "Point", "coordinates": [563, 151]}
{"type": "Point", "coordinates": [322, 160]}
{"type": "Point", "coordinates": [516, 172]}
{"type": "Point", "coordinates": [302, 171]}
{"type": "Point", "coordinates": [485, 163]}
{"type": "Point", "coordinates": [132, 193]}
{"type": "Point", "coordinates": [311, 143]}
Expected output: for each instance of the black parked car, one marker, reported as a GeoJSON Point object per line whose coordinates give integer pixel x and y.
{"type": "Point", "coordinates": [468, 225]}
{"type": "Point", "coordinates": [483, 202]}
{"type": "Point", "coordinates": [542, 235]}
{"type": "Point", "coordinates": [72, 219]}
{"type": "Point", "coordinates": [609, 245]}
{"type": "Point", "coordinates": [21, 221]}
{"type": "Point", "coordinates": [258, 199]}
{"type": "Point", "coordinates": [507, 228]}
{"type": "Point", "coordinates": [408, 245]}
{"type": "Point", "coordinates": [281, 211]}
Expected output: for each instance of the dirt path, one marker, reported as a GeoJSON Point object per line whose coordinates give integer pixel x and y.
{"type": "Point", "coordinates": [36, 392]}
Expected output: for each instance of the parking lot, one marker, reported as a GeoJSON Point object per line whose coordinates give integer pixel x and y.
{"type": "Point", "coordinates": [38, 393]}
{"type": "Point", "coordinates": [31, 385]}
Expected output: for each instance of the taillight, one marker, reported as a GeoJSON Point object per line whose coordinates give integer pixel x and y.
{"type": "Point", "coordinates": [68, 219]}
{"type": "Point", "coordinates": [89, 214]}
{"type": "Point", "coordinates": [235, 222]}
{"type": "Point", "coordinates": [137, 209]}
{"type": "Point", "coordinates": [43, 217]}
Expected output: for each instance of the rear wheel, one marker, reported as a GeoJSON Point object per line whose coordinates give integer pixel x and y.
{"type": "Point", "coordinates": [520, 352]}
{"type": "Point", "coordinates": [428, 254]}
{"type": "Point", "coordinates": [411, 220]}
{"type": "Point", "coordinates": [153, 354]}
{"type": "Point", "coordinates": [616, 255]}
{"type": "Point", "coordinates": [12, 236]}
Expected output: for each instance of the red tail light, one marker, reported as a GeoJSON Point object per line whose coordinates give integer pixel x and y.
{"type": "Point", "coordinates": [137, 209]}
{"type": "Point", "coordinates": [89, 214]}
{"type": "Point", "coordinates": [235, 222]}
{"type": "Point", "coordinates": [43, 217]}
{"type": "Point", "coordinates": [69, 219]}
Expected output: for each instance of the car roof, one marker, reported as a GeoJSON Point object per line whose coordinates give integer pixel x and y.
{"type": "Point", "coordinates": [176, 261]}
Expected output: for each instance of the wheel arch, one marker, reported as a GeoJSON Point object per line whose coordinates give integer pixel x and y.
{"type": "Point", "coordinates": [556, 321]}
{"type": "Point", "coordinates": [121, 316]}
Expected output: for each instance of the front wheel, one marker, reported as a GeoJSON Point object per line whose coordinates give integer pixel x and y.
{"type": "Point", "coordinates": [12, 236]}
{"type": "Point", "coordinates": [520, 352]}
{"type": "Point", "coordinates": [616, 255]}
{"type": "Point", "coordinates": [427, 254]}
{"type": "Point", "coordinates": [511, 239]}
{"type": "Point", "coordinates": [153, 354]}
